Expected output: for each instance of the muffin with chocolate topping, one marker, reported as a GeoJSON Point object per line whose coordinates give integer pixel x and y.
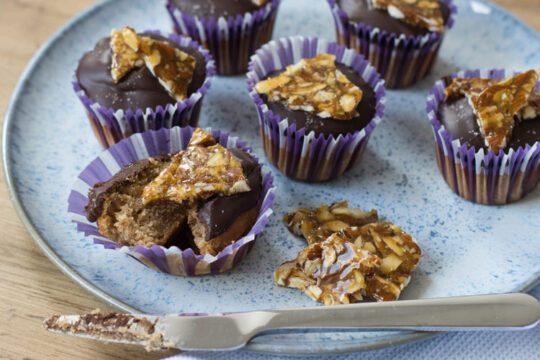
{"type": "Point", "coordinates": [401, 38]}
{"type": "Point", "coordinates": [487, 128]}
{"type": "Point", "coordinates": [230, 29]}
{"type": "Point", "coordinates": [182, 201]}
{"type": "Point", "coordinates": [133, 82]}
{"type": "Point", "coordinates": [204, 197]}
{"type": "Point", "coordinates": [316, 111]}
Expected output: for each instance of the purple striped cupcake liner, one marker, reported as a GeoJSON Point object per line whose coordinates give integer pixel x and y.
{"type": "Point", "coordinates": [401, 60]}
{"type": "Point", "coordinates": [170, 260]}
{"type": "Point", "coordinates": [477, 175]}
{"type": "Point", "coordinates": [110, 126]}
{"type": "Point", "coordinates": [232, 40]}
{"type": "Point", "coordinates": [310, 156]}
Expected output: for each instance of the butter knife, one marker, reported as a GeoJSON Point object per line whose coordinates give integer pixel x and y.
{"type": "Point", "coordinates": [232, 331]}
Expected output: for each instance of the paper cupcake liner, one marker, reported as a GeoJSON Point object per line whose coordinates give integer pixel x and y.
{"type": "Point", "coordinates": [110, 126]}
{"type": "Point", "coordinates": [401, 60]}
{"type": "Point", "coordinates": [232, 40]}
{"type": "Point", "coordinates": [311, 156]}
{"type": "Point", "coordinates": [168, 260]}
{"type": "Point", "coordinates": [476, 175]}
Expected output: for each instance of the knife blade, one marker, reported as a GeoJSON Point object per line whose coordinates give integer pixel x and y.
{"type": "Point", "coordinates": [230, 331]}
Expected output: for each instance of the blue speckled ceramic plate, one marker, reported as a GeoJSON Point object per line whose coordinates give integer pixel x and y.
{"type": "Point", "coordinates": [469, 249]}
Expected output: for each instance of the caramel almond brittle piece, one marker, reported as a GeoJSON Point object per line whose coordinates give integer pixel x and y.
{"type": "Point", "coordinates": [382, 254]}
{"type": "Point", "coordinates": [532, 109]}
{"type": "Point", "coordinates": [422, 13]}
{"type": "Point", "coordinates": [470, 87]}
{"type": "Point", "coordinates": [395, 254]}
{"type": "Point", "coordinates": [316, 86]}
{"type": "Point", "coordinates": [125, 53]}
{"type": "Point", "coordinates": [203, 169]}
{"type": "Point", "coordinates": [172, 67]}
{"type": "Point", "coordinates": [497, 105]}
{"type": "Point", "coordinates": [316, 225]}
{"type": "Point", "coordinates": [332, 272]}
{"type": "Point", "coordinates": [399, 254]}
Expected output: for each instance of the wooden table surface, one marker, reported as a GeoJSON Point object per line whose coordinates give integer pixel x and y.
{"type": "Point", "coordinates": [32, 287]}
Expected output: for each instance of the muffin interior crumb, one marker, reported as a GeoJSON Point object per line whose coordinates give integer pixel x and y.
{"type": "Point", "coordinates": [130, 222]}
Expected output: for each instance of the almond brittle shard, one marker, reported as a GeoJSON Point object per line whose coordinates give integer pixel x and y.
{"type": "Point", "coordinates": [172, 67]}
{"type": "Point", "coordinates": [203, 169]}
{"type": "Point", "coordinates": [316, 225]}
{"type": "Point", "coordinates": [468, 86]}
{"type": "Point", "coordinates": [399, 254]}
{"type": "Point", "coordinates": [316, 86]}
{"type": "Point", "coordinates": [382, 255]}
{"type": "Point", "coordinates": [125, 53]}
{"type": "Point", "coordinates": [332, 272]}
{"type": "Point", "coordinates": [497, 105]}
{"type": "Point", "coordinates": [422, 13]}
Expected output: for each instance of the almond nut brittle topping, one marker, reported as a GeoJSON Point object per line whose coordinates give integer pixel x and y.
{"type": "Point", "coordinates": [172, 67]}
{"type": "Point", "coordinates": [203, 169]}
{"type": "Point", "coordinates": [316, 86]}
{"type": "Point", "coordinates": [399, 254]}
{"type": "Point", "coordinates": [332, 272]}
{"type": "Point", "coordinates": [125, 53]}
{"type": "Point", "coordinates": [316, 225]}
{"type": "Point", "coordinates": [532, 109]}
{"type": "Point", "coordinates": [422, 13]}
{"type": "Point", "coordinates": [467, 86]}
{"type": "Point", "coordinates": [497, 105]}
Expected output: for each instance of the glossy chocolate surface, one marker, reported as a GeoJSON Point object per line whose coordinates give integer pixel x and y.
{"type": "Point", "coordinates": [364, 12]}
{"type": "Point", "coordinates": [458, 118]}
{"type": "Point", "coordinates": [220, 212]}
{"type": "Point", "coordinates": [366, 109]}
{"type": "Point", "coordinates": [215, 8]}
{"type": "Point", "coordinates": [139, 89]}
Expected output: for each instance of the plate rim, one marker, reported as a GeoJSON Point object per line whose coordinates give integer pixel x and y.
{"type": "Point", "coordinates": [120, 305]}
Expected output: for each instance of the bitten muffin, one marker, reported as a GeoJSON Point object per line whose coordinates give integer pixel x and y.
{"type": "Point", "coordinates": [401, 38]}
{"type": "Point", "coordinates": [204, 197]}
{"type": "Point", "coordinates": [133, 82]}
{"type": "Point", "coordinates": [317, 104]}
{"type": "Point", "coordinates": [488, 130]}
{"type": "Point", "coordinates": [230, 29]}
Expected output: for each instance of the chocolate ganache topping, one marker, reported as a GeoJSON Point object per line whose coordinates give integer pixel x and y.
{"type": "Point", "coordinates": [363, 11]}
{"type": "Point", "coordinates": [217, 8]}
{"type": "Point", "coordinates": [138, 89]}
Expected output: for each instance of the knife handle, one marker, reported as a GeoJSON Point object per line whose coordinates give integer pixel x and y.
{"type": "Point", "coordinates": [501, 311]}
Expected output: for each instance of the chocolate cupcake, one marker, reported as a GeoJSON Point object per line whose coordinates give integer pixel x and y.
{"type": "Point", "coordinates": [230, 29]}
{"type": "Point", "coordinates": [401, 38]}
{"type": "Point", "coordinates": [132, 82]}
{"type": "Point", "coordinates": [192, 206]}
{"type": "Point", "coordinates": [317, 103]}
{"type": "Point", "coordinates": [487, 130]}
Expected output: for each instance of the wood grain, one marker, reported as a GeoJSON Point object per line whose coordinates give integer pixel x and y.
{"type": "Point", "coordinates": [32, 287]}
